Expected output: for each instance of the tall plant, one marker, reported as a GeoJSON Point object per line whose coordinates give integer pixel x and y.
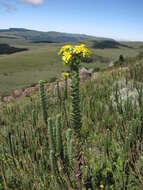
{"type": "Point", "coordinates": [72, 56]}
{"type": "Point", "coordinates": [43, 101]}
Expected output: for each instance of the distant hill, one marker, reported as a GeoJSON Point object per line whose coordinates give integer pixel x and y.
{"type": "Point", "coordinates": [45, 37]}
{"type": "Point", "coordinates": [105, 44]}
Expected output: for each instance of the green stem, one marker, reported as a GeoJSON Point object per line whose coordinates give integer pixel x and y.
{"type": "Point", "coordinates": [43, 101]}
{"type": "Point", "coordinates": [76, 124]}
{"type": "Point", "coordinates": [66, 88]}
{"type": "Point", "coordinates": [75, 113]}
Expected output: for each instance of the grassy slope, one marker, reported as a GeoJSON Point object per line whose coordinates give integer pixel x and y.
{"type": "Point", "coordinates": [97, 115]}
{"type": "Point", "coordinates": [22, 69]}
{"type": "Point", "coordinates": [113, 53]}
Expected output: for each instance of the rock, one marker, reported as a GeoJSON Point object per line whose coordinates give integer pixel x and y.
{"type": "Point", "coordinates": [8, 99]}
{"type": "Point", "coordinates": [125, 92]}
{"type": "Point", "coordinates": [17, 93]}
{"type": "Point", "coordinates": [85, 73]}
{"type": "Point", "coordinates": [29, 91]}
{"type": "Point", "coordinates": [111, 64]}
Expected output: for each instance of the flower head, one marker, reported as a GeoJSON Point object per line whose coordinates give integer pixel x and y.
{"type": "Point", "coordinates": [65, 48]}
{"type": "Point", "coordinates": [71, 54]}
{"type": "Point", "coordinates": [66, 57]}
{"type": "Point", "coordinates": [65, 75]}
{"type": "Point", "coordinates": [81, 50]}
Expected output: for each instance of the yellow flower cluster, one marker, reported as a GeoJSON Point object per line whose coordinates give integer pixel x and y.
{"type": "Point", "coordinates": [81, 50]}
{"type": "Point", "coordinates": [65, 75]}
{"type": "Point", "coordinates": [69, 53]}
{"type": "Point", "coordinates": [66, 57]}
{"type": "Point", "coordinates": [65, 48]}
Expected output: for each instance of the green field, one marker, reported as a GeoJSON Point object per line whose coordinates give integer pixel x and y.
{"type": "Point", "coordinates": [22, 69]}
{"type": "Point", "coordinates": [41, 61]}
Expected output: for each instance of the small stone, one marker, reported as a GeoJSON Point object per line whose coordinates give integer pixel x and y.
{"type": "Point", "coordinates": [85, 73]}
{"type": "Point", "coordinates": [8, 99]}
{"type": "Point", "coordinates": [17, 93]}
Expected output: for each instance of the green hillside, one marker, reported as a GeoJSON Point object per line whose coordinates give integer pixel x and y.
{"type": "Point", "coordinates": [38, 36]}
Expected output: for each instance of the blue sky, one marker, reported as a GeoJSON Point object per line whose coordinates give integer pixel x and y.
{"type": "Point", "coordinates": [119, 19]}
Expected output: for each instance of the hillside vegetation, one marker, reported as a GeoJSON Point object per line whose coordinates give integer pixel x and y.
{"type": "Point", "coordinates": [111, 136]}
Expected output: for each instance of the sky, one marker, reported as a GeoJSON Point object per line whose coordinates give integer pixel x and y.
{"type": "Point", "coordinates": [118, 19]}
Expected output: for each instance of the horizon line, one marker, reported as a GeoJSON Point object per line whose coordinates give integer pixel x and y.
{"type": "Point", "coordinates": [92, 35]}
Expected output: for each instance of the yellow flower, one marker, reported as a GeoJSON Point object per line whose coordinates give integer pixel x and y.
{"type": "Point", "coordinates": [71, 53]}
{"type": "Point", "coordinates": [81, 49]}
{"type": "Point", "coordinates": [101, 186]}
{"type": "Point", "coordinates": [86, 53]}
{"type": "Point", "coordinates": [82, 45]}
{"type": "Point", "coordinates": [64, 49]}
{"type": "Point", "coordinates": [65, 75]}
{"type": "Point", "coordinates": [77, 50]}
{"type": "Point", "coordinates": [66, 57]}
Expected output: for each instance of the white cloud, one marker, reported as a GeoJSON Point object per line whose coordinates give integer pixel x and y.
{"type": "Point", "coordinates": [33, 2]}
{"type": "Point", "coordinates": [9, 6]}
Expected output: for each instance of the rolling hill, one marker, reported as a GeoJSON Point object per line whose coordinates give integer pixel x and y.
{"type": "Point", "coordinates": [38, 36]}
{"type": "Point", "coordinates": [105, 44]}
